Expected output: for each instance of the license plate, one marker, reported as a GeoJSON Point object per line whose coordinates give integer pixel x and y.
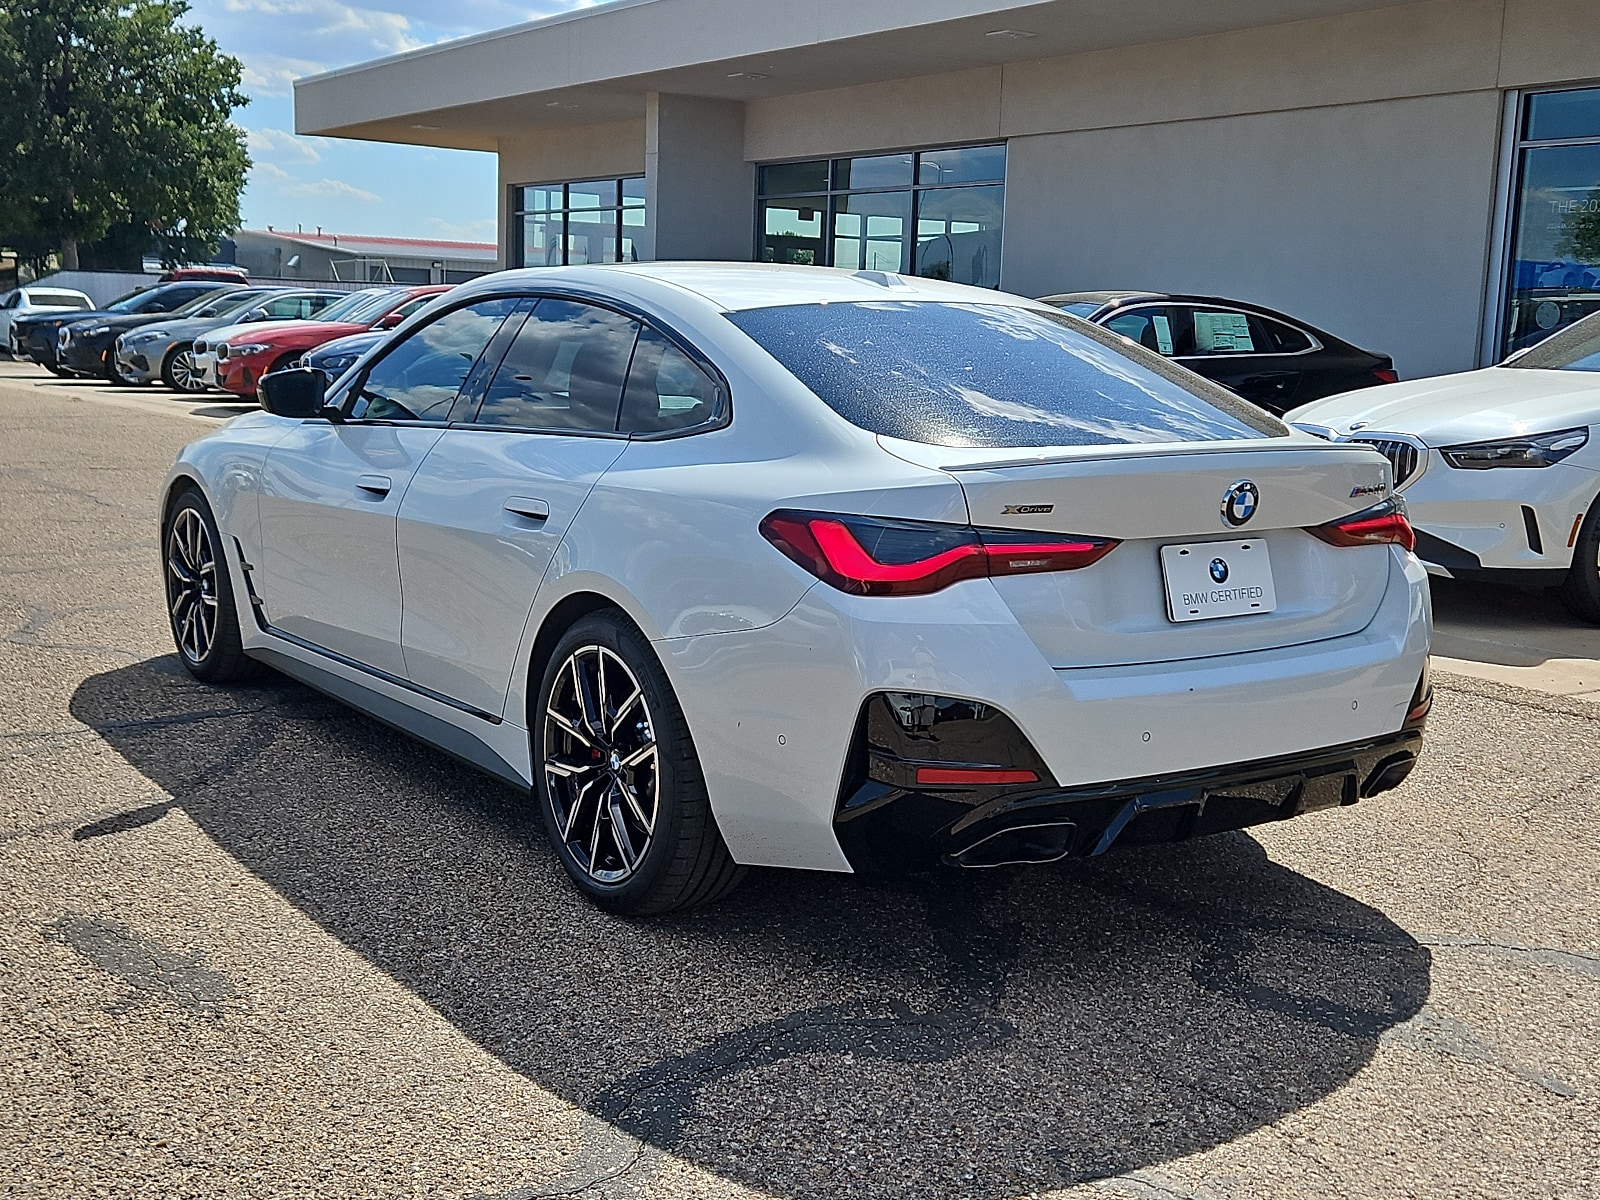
{"type": "Point", "coordinates": [1207, 580]}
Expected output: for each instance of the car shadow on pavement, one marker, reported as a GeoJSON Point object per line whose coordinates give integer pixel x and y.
{"type": "Point", "coordinates": [985, 1034]}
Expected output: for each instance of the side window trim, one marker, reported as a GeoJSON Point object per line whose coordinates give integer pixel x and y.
{"type": "Point", "coordinates": [1192, 307]}
{"type": "Point", "coordinates": [464, 412]}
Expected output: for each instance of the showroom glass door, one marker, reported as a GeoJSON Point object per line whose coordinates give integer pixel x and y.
{"type": "Point", "coordinates": [1553, 268]}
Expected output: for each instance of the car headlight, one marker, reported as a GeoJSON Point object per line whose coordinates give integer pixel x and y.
{"type": "Point", "coordinates": [144, 335]}
{"type": "Point", "coordinates": [96, 331]}
{"type": "Point", "coordinates": [339, 363]}
{"type": "Point", "coordinates": [244, 351]}
{"type": "Point", "coordinates": [1540, 450]}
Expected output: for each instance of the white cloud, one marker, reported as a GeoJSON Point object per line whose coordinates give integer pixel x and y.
{"type": "Point", "coordinates": [280, 144]}
{"type": "Point", "coordinates": [274, 74]}
{"type": "Point", "coordinates": [266, 172]}
{"type": "Point", "coordinates": [463, 231]}
{"type": "Point", "coordinates": [332, 189]}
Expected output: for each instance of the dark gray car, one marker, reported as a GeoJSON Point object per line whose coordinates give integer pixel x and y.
{"type": "Point", "coordinates": [165, 349]}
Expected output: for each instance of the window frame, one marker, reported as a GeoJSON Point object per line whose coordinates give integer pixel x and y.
{"type": "Point", "coordinates": [517, 211]}
{"type": "Point", "coordinates": [477, 378]}
{"type": "Point", "coordinates": [1191, 306]}
{"type": "Point", "coordinates": [832, 194]}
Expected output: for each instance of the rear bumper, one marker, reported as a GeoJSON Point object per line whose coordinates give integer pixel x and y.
{"type": "Point", "coordinates": [877, 824]}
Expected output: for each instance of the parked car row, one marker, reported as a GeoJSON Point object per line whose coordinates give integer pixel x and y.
{"type": "Point", "coordinates": [194, 333]}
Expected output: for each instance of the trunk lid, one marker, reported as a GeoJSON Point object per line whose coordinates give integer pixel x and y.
{"type": "Point", "coordinates": [1115, 612]}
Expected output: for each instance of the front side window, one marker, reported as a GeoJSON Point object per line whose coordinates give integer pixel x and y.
{"type": "Point", "coordinates": [935, 213]}
{"type": "Point", "coordinates": [994, 375]}
{"type": "Point", "coordinates": [564, 371]}
{"type": "Point", "coordinates": [419, 379]}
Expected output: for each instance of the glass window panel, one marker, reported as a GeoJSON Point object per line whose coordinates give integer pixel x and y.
{"type": "Point", "coordinates": [598, 194]}
{"type": "Point", "coordinates": [970, 164]}
{"type": "Point", "coordinates": [541, 199]}
{"type": "Point", "coordinates": [564, 371]}
{"type": "Point", "coordinates": [588, 234]}
{"type": "Point", "coordinates": [418, 380]}
{"type": "Point", "coordinates": [1152, 328]}
{"type": "Point", "coordinates": [542, 240]}
{"type": "Point", "coordinates": [666, 389]}
{"type": "Point", "coordinates": [633, 192]}
{"type": "Point", "coordinates": [783, 179]}
{"type": "Point", "coordinates": [994, 375]}
{"type": "Point", "coordinates": [633, 217]}
{"type": "Point", "coordinates": [1555, 260]}
{"type": "Point", "coordinates": [1560, 115]}
{"type": "Point", "coordinates": [881, 171]}
{"type": "Point", "coordinates": [958, 234]}
{"type": "Point", "coordinates": [869, 231]}
{"type": "Point", "coordinates": [792, 230]}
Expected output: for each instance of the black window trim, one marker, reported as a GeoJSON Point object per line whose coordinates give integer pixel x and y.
{"type": "Point", "coordinates": [516, 211]}
{"type": "Point", "coordinates": [1248, 310]}
{"type": "Point", "coordinates": [720, 419]}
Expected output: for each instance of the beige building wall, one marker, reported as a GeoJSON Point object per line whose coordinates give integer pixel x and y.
{"type": "Point", "coordinates": [564, 154]}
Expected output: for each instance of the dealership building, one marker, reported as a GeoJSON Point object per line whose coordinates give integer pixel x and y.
{"type": "Point", "coordinates": [1420, 178]}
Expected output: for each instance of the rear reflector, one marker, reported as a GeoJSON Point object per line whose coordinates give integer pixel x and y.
{"type": "Point", "coordinates": [880, 556]}
{"type": "Point", "coordinates": [1386, 375]}
{"type": "Point", "coordinates": [1382, 524]}
{"type": "Point", "coordinates": [969, 776]}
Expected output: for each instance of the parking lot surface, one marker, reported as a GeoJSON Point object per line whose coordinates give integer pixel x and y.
{"type": "Point", "coordinates": [253, 944]}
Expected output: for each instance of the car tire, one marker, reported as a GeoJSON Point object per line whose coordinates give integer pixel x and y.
{"type": "Point", "coordinates": [200, 603]}
{"type": "Point", "coordinates": [1581, 591]}
{"type": "Point", "coordinates": [177, 372]}
{"type": "Point", "coordinates": [617, 779]}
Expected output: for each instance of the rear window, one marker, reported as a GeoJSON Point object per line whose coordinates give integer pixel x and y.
{"type": "Point", "coordinates": [994, 375]}
{"type": "Point", "coordinates": [63, 299]}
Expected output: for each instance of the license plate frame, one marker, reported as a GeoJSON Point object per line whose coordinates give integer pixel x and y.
{"type": "Point", "coordinates": [1189, 574]}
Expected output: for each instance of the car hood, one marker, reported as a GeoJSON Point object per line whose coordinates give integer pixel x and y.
{"type": "Point", "coordinates": [1476, 406]}
{"type": "Point", "coordinates": [59, 319]}
{"type": "Point", "coordinates": [285, 332]}
{"type": "Point", "coordinates": [193, 327]}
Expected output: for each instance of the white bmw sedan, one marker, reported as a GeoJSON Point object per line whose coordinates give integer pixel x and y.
{"type": "Point", "coordinates": [730, 565]}
{"type": "Point", "coordinates": [1500, 468]}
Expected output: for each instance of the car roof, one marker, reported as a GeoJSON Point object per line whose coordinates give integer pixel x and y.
{"type": "Point", "coordinates": [733, 286]}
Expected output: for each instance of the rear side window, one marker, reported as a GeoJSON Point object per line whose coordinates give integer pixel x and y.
{"type": "Point", "coordinates": [667, 390]}
{"type": "Point", "coordinates": [564, 371]}
{"type": "Point", "coordinates": [994, 375]}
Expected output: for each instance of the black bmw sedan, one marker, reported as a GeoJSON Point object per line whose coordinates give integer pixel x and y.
{"type": "Point", "coordinates": [1276, 361]}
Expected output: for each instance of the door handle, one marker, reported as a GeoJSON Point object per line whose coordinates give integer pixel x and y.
{"type": "Point", "coordinates": [529, 508]}
{"type": "Point", "coordinates": [377, 485]}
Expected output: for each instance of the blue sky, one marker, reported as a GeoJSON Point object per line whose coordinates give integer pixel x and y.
{"type": "Point", "coordinates": [344, 186]}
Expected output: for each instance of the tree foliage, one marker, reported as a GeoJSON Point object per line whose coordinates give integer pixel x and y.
{"type": "Point", "coordinates": [114, 129]}
{"type": "Point", "coordinates": [1581, 232]}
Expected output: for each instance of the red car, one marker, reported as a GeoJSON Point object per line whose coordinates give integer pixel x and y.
{"type": "Point", "coordinates": [247, 354]}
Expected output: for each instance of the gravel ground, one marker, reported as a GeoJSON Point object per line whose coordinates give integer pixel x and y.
{"type": "Point", "coordinates": [253, 944]}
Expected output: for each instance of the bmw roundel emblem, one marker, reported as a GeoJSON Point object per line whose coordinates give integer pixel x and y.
{"type": "Point", "coordinates": [1219, 571]}
{"type": "Point", "coordinates": [1240, 502]}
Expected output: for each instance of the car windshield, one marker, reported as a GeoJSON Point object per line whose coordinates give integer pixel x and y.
{"type": "Point", "coordinates": [1575, 348]}
{"type": "Point", "coordinates": [229, 303]}
{"type": "Point", "coordinates": [994, 375]}
{"type": "Point", "coordinates": [358, 307]}
{"type": "Point", "coordinates": [59, 299]}
{"type": "Point", "coordinates": [126, 303]}
{"type": "Point", "coordinates": [197, 306]}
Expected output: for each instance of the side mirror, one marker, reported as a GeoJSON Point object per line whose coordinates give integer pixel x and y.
{"type": "Point", "coordinates": [390, 321]}
{"type": "Point", "coordinates": [297, 392]}
{"type": "Point", "coordinates": [255, 314]}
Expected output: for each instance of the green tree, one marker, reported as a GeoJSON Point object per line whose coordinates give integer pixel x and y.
{"type": "Point", "coordinates": [115, 130]}
{"type": "Point", "coordinates": [1581, 231]}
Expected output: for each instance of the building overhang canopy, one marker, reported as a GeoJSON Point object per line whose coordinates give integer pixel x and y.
{"type": "Point", "coordinates": [599, 64]}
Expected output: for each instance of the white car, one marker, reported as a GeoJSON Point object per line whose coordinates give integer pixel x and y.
{"type": "Point", "coordinates": [741, 564]}
{"type": "Point", "coordinates": [206, 347]}
{"type": "Point", "coordinates": [25, 301]}
{"type": "Point", "coordinates": [1500, 468]}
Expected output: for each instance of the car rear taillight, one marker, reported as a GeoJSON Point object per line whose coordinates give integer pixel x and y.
{"type": "Point", "coordinates": [1382, 524]}
{"type": "Point", "coordinates": [880, 556]}
{"type": "Point", "coordinates": [972, 776]}
{"type": "Point", "coordinates": [1386, 375]}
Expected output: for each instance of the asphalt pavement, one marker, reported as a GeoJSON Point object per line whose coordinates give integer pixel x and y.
{"type": "Point", "coordinates": [253, 944]}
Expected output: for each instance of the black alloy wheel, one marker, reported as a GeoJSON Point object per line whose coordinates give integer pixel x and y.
{"type": "Point", "coordinates": [200, 607]}
{"type": "Point", "coordinates": [1581, 591]}
{"type": "Point", "coordinates": [178, 371]}
{"type": "Point", "coordinates": [620, 787]}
